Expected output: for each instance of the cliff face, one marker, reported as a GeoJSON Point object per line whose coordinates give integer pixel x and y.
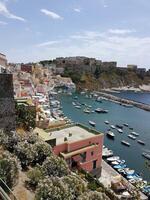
{"type": "Point", "coordinates": [109, 78]}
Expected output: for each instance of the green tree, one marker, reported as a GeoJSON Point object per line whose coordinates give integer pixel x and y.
{"type": "Point", "coordinates": [25, 116]}
{"type": "Point", "coordinates": [9, 169]}
{"type": "Point", "coordinates": [41, 150]}
{"type": "Point", "coordinates": [75, 184]}
{"type": "Point", "coordinates": [52, 189]}
{"type": "Point", "coordinates": [35, 176]}
{"type": "Point", "coordinates": [25, 153]}
{"type": "Point", "coordinates": [94, 195]}
{"type": "Point", "coordinates": [55, 166]}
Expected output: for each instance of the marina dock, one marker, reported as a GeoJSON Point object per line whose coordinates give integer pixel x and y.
{"type": "Point", "coordinates": [108, 174]}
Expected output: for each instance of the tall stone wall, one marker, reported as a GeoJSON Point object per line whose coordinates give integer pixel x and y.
{"type": "Point", "coordinates": [7, 104]}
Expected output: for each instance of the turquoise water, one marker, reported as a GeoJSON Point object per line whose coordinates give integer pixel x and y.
{"type": "Point", "coordinates": [136, 118]}
{"type": "Point", "coordinates": [137, 96]}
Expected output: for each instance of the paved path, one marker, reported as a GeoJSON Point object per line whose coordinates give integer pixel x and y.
{"type": "Point", "coordinates": [20, 191]}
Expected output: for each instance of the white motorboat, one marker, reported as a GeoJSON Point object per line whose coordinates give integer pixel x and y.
{"type": "Point", "coordinates": [78, 107]}
{"type": "Point", "coordinates": [110, 134]}
{"type": "Point", "coordinates": [125, 124]}
{"type": "Point", "coordinates": [92, 123]}
{"type": "Point", "coordinates": [120, 130]}
{"type": "Point", "coordinates": [141, 142]}
{"type": "Point", "coordinates": [134, 133]}
{"type": "Point", "coordinates": [113, 158]}
{"type": "Point", "coordinates": [106, 122]}
{"type": "Point", "coordinates": [87, 111]}
{"type": "Point", "coordinates": [125, 143]}
{"type": "Point", "coordinates": [132, 137]}
{"type": "Point", "coordinates": [112, 126]}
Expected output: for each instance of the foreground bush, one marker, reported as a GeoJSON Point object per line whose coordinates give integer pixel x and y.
{"type": "Point", "coordinates": [9, 169]}
{"type": "Point", "coordinates": [55, 166]}
{"type": "Point", "coordinates": [41, 151]}
{"type": "Point", "coordinates": [35, 176]}
{"type": "Point", "coordinates": [75, 184]}
{"type": "Point", "coordinates": [52, 189]}
{"type": "Point", "coordinates": [93, 195]}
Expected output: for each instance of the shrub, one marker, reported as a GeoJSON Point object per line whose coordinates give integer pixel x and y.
{"type": "Point", "coordinates": [55, 166]}
{"type": "Point", "coordinates": [52, 189]}
{"type": "Point", "coordinates": [25, 153]}
{"type": "Point", "coordinates": [41, 151]}
{"type": "Point", "coordinates": [93, 196]}
{"type": "Point", "coordinates": [34, 175]}
{"type": "Point", "coordinates": [75, 184]}
{"type": "Point", "coordinates": [9, 169]}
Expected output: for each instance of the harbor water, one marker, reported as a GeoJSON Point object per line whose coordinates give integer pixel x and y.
{"type": "Point", "coordinates": [138, 119]}
{"type": "Point", "coordinates": [142, 97]}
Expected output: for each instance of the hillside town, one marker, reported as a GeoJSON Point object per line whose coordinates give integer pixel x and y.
{"type": "Point", "coordinates": [34, 88]}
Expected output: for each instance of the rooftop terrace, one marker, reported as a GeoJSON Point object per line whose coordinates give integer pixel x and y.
{"type": "Point", "coordinates": [72, 133]}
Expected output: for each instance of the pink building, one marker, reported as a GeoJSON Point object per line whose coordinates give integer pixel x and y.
{"type": "Point", "coordinates": [80, 146]}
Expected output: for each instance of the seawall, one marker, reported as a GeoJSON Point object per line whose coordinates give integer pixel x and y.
{"type": "Point", "coordinates": [125, 101]}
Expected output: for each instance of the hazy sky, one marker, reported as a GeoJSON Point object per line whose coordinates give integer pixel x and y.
{"type": "Point", "coordinates": [110, 30]}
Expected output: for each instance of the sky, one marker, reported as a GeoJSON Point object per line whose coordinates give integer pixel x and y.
{"type": "Point", "coordinates": [109, 30]}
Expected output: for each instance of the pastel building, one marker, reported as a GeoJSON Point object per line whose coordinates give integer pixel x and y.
{"type": "Point", "coordinates": [80, 146]}
{"type": "Point", "coordinates": [3, 60]}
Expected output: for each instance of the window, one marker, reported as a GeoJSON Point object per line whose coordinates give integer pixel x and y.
{"type": "Point", "coordinates": [94, 164]}
{"type": "Point", "coordinates": [83, 155]}
{"type": "Point", "coordinates": [92, 153]}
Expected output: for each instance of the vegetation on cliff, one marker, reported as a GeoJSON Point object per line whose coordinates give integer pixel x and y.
{"type": "Point", "coordinates": [48, 175]}
{"type": "Point", "coordinates": [106, 78]}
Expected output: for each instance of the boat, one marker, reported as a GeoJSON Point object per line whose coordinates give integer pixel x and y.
{"type": "Point", "coordinates": [110, 134]}
{"type": "Point", "coordinates": [134, 133]}
{"type": "Point", "coordinates": [129, 171]}
{"type": "Point", "coordinates": [107, 153]}
{"type": "Point", "coordinates": [73, 103]}
{"type": "Point", "coordinates": [78, 107]}
{"type": "Point", "coordinates": [120, 130]}
{"type": "Point", "coordinates": [132, 137]}
{"type": "Point", "coordinates": [98, 99]}
{"type": "Point", "coordinates": [99, 110]}
{"type": "Point", "coordinates": [134, 176]}
{"type": "Point", "coordinates": [125, 143]}
{"type": "Point", "coordinates": [120, 162]}
{"type": "Point", "coordinates": [86, 110]}
{"type": "Point", "coordinates": [106, 122]}
{"type": "Point", "coordinates": [76, 97]}
{"type": "Point", "coordinates": [146, 155]}
{"type": "Point", "coordinates": [119, 126]}
{"type": "Point", "coordinates": [120, 166]}
{"type": "Point", "coordinates": [141, 142]}
{"type": "Point", "coordinates": [115, 163]}
{"type": "Point", "coordinates": [112, 126]}
{"type": "Point", "coordinates": [113, 158]}
{"type": "Point", "coordinates": [130, 128]}
{"type": "Point", "coordinates": [125, 124]}
{"type": "Point", "coordinates": [92, 123]}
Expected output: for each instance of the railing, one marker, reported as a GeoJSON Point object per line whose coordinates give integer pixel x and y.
{"type": "Point", "coordinates": [5, 191]}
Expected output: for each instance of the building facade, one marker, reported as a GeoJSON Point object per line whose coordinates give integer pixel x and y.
{"type": "Point", "coordinates": [80, 146]}
{"type": "Point", "coordinates": [3, 60]}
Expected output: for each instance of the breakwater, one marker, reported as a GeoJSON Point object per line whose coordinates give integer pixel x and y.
{"type": "Point", "coordinates": [125, 102]}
